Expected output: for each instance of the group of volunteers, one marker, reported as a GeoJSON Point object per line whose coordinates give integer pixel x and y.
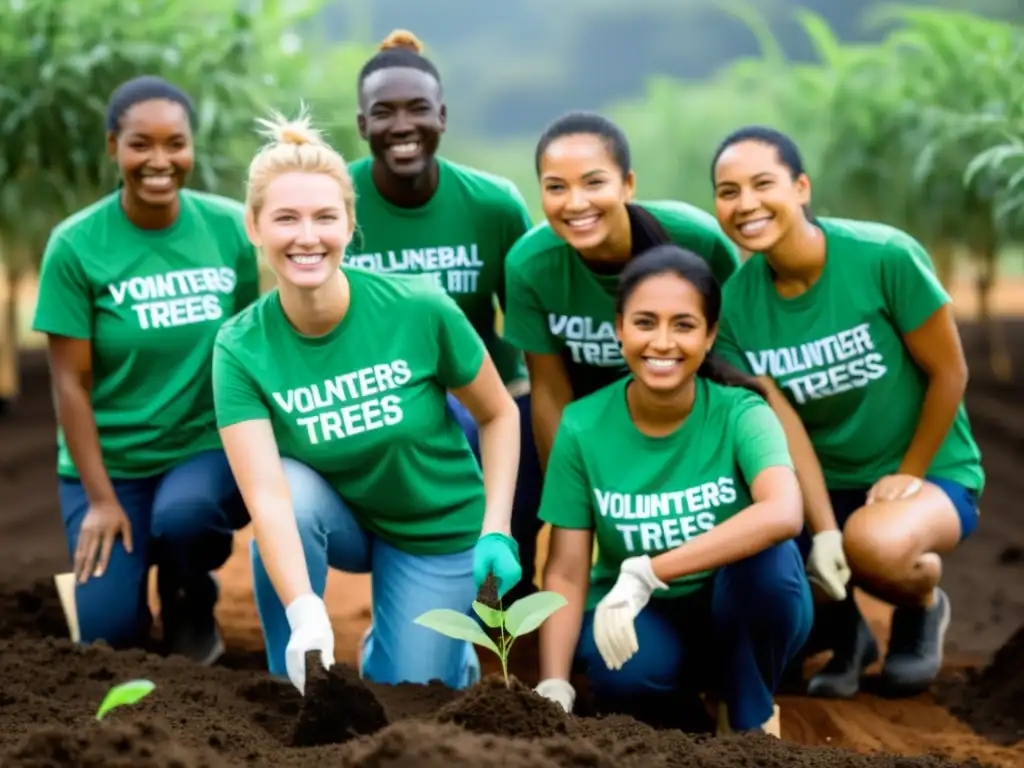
{"type": "Point", "coordinates": [723, 450]}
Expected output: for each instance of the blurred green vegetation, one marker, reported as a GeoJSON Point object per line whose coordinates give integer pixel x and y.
{"type": "Point", "coordinates": [511, 67]}
{"type": "Point", "coordinates": [923, 129]}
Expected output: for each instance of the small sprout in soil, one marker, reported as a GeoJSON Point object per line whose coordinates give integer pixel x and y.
{"type": "Point", "coordinates": [521, 618]}
{"type": "Point", "coordinates": [123, 695]}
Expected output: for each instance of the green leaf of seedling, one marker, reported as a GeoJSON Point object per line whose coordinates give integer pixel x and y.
{"type": "Point", "coordinates": [124, 694]}
{"type": "Point", "coordinates": [457, 626]}
{"type": "Point", "coordinates": [525, 615]}
{"type": "Point", "coordinates": [489, 616]}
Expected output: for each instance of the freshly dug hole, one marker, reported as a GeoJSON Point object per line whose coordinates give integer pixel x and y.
{"type": "Point", "coordinates": [337, 706]}
{"type": "Point", "coordinates": [121, 745]}
{"type": "Point", "coordinates": [492, 708]}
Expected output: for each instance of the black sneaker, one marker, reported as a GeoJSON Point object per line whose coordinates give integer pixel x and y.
{"type": "Point", "coordinates": [853, 650]}
{"type": "Point", "coordinates": [190, 628]}
{"type": "Point", "coordinates": [915, 647]}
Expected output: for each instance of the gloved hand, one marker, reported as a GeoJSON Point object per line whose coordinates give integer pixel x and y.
{"type": "Point", "coordinates": [559, 691]}
{"type": "Point", "coordinates": [498, 554]}
{"type": "Point", "coordinates": [311, 631]}
{"type": "Point", "coordinates": [614, 632]}
{"type": "Point", "coordinates": [827, 566]}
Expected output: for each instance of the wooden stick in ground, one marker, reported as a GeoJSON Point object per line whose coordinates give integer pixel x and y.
{"type": "Point", "coordinates": [66, 591]}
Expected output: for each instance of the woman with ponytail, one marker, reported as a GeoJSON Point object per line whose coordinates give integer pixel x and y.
{"type": "Point", "coordinates": [681, 473]}
{"type": "Point", "coordinates": [854, 338]}
{"type": "Point", "coordinates": [331, 397]}
{"type": "Point", "coordinates": [422, 214]}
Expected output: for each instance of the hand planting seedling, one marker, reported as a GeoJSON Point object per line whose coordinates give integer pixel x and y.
{"type": "Point", "coordinates": [124, 694]}
{"type": "Point", "coordinates": [521, 618]}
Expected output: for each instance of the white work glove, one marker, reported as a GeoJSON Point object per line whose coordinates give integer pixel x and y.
{"type": "Point", "coordinates": [614, 632]}
{"type": "Point", "coordinates": [827, 566]}
{"type": "Point", "coordinates": [311, 631]}
{"type": "Point", "coordinates": [559, 691]}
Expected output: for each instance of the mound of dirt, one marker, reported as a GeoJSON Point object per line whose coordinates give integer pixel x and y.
{"type": "Point", "coordinates": [514, 710]}
{"type": "Point", "coordinates": [337, 706]}
{"type": "Point", "coordinates": [433, 745]}
{"type": "Point", "coordinates": [128, 745]}
{"type": "Point", "coordinates": [991, 700]}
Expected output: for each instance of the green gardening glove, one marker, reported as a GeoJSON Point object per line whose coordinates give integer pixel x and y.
{"type": "Point", "coordinates": [498, 554]}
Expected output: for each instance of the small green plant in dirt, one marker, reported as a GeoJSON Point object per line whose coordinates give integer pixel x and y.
{"type": "Point", "coordinates": [130, 692]}
{"type": "Point", "coordinates": [521, 618]}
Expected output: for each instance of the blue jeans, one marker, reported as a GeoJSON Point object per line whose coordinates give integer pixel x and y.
{"type": "Point", "coordinates": [404, 586]}
{"type": "Point", "coordinates": [529, 483]}
{"type": "Point", "coordinates": [182, 521]}
{"type": "Point", "coordinates": [733, 638]}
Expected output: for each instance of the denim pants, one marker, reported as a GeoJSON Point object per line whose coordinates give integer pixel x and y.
{"type": "Point", "coordinates": [733, 638]}
{"type": "Point", "coordinates": [404, 586]}
{"type": "Point", "coordinates": [182, 521]}
{"type": "Point", "coordinates": [529, 484]}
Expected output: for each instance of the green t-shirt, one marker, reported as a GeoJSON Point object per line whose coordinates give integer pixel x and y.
{"type": "Point", "coordinates": [150, 302]}
{"type": "Point", "coordinates": [365, 405]}
{"type": "Point", "coordinates": [558, 305]}
{"type": "Point", "coordinates": [460, 238]}
{"type": "Point", "coordinates": [672, 489]}
{"type": "Point", "coordinates": [837, 352]}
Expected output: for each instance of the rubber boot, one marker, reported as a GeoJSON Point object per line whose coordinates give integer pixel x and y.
{"type": "Point", "coordinates": [853, 650]}
{"type": "Point", "coordinates": [915, 647]}
{"type": "Point", "coordinates": [189, 625]}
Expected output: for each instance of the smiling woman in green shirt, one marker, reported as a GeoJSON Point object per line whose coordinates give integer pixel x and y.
{"type": "Point", "coordinates": [132, 292]}
{"type": "Point", "coordinates": [681, 473]}
{"type": "Point", "coordinates": [561, 276]}
{"type": "Point", "coordinates": [331, 395]}
{"type": "Point", "coordinates": [847, 325]}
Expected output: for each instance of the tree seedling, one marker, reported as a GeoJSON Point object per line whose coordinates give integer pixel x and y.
{"type": "Point", "coordinates": [521, 618]}
{"type": "Point", "coordinates": [122, 695]}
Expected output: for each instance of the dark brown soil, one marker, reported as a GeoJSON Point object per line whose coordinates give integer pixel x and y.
{"type": "Point", "coordinates": [514, 711]}
{"type": "Point", "coordinates": [337, 706]}
{"type": "Point", "coordinates": [992, 699]}
{"type": "Point", "coordinates": [235, 715]}
{"type": "Point", "coordinates": [223, 717]}
{"type": "Point", "coordinates": [129, 745]}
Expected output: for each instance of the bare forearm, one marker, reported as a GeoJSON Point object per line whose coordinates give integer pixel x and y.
{"type": "Point", "coordinates": [546, 415]}
{"type": "Point", "coordinates": [941, 402]}
{"type": "Point", "coordinates": [817, 504]}
{"type": "Point", "coordinates": [560, 633]}
{"type": "Point", "coordinates": [747, 533]}
{"type": "Point", "coordinates": [499, 455]}
{"type": "Point", "coordinates": [277, 536]}
{"type": "Point", "coordinates": [78, 422]}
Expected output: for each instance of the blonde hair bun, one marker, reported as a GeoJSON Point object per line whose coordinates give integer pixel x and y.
{"type": "Point", "coordinates": [402, 38]}
{"type": "Point", "coordinates": [297, 132]}
{"type": "Point", "coordinates": [294, 146]}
